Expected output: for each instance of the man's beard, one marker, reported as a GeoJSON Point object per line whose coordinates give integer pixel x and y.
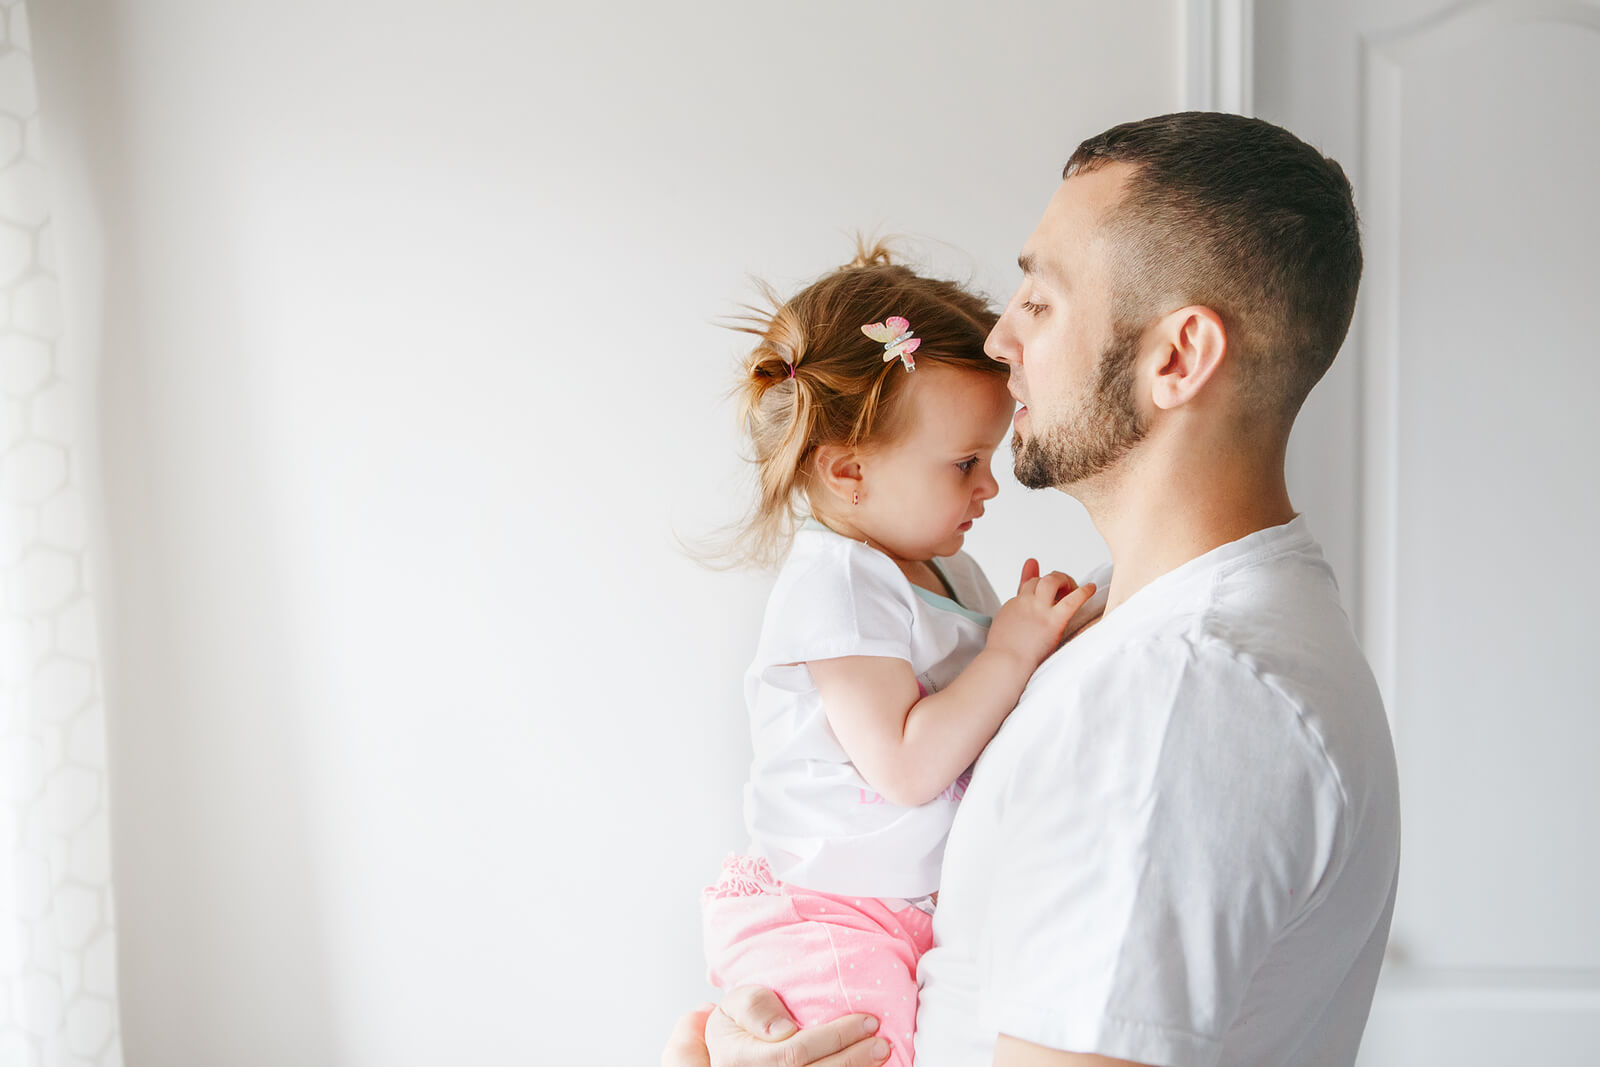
{"type": "Point", "coordinates": [1097, 436]}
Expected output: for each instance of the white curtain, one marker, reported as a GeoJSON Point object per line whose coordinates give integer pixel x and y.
{"type": "Point", "coordinates": [58, 997]}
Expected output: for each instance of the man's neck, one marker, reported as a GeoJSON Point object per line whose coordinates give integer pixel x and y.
{"type": "Point", "coordinates": [1162, 517]}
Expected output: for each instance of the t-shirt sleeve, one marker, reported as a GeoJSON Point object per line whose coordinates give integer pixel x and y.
{"type": "Point", "coordinates": [1154, 850]}
{"type": "Point", "coordinates": [848, 601]}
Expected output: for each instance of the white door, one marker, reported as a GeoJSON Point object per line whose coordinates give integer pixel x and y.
{"type": "Point", "coordinates": [1450, 463]}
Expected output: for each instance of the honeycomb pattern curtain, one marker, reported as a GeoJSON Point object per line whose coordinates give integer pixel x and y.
{"type": "Point", "coordinates": [58, 998]}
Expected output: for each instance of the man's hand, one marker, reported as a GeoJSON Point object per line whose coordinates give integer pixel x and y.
{"type": "Point", "coordinates": [752, 1029]}
{"type": "Point", "coordinates": [686, 1046]}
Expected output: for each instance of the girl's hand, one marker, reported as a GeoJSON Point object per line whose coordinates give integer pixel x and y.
{"type": "Point", "coordinates": [1029, 626]}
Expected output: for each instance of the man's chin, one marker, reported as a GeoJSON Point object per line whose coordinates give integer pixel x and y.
{"type": "Point", "coordinates": [1029, 463]}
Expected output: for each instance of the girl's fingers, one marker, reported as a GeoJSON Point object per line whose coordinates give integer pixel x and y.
{"type": "Point", "coordinates": [1069, 603]}
{"type": "Point", "coordinates": [1030, 571]}
{"type": "Point", "coordinates": [1053, 586]}
{"type": "Point", "coordinates": [1067, 584]}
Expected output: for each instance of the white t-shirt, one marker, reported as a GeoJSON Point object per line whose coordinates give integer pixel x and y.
{"type": "Point", "coordinates": [809, 812]}
{"type": "Point", "coordinates": [1182, 846]}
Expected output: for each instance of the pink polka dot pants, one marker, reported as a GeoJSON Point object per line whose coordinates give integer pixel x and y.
{"type": "Point", "coordinates": [825, 955]}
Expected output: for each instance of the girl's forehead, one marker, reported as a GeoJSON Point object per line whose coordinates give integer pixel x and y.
{"type": "Point", "coordinates": [953, 403]}
{"type": "Point", "coordinates": [954, 388]}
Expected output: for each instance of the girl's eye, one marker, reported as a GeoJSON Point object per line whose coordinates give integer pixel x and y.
{"type": "Point", "coordinates": [966, 465]}
{"type": "Point", "coordinates": [1031, 308]}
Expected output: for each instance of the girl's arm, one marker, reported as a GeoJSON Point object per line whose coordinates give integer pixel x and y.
{"type": "Point", "coordinates": [911, 747]}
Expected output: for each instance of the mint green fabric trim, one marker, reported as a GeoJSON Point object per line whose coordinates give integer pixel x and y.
{"type": "Point", "coordinates": [944, 603]}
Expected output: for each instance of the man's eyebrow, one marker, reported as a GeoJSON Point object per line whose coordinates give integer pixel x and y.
{"type": "Point", "coordinates": [1032, 265]}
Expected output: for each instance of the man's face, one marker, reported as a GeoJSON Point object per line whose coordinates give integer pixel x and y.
{"type": "Point", "coordinates": [1070, 369]}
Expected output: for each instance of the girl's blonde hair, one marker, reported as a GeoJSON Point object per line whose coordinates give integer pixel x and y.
{"type": "Point", "coordinates": [815, 379]}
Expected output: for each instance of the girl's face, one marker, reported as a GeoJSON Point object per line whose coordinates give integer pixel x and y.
{"type": "Point", "coordinates": [920, 493]}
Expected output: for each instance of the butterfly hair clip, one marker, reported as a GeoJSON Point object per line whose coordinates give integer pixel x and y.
{"type": "Point", "coordinates": [894, 333]}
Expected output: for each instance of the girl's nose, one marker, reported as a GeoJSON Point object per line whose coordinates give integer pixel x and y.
{"type": "Point", "coordinates": [988, 488]}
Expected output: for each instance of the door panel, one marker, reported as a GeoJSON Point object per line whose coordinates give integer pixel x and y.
{"type": "Point", "coordinates": [1493, 466]}
{"type": "Point", "coordinates": [1462, 440]}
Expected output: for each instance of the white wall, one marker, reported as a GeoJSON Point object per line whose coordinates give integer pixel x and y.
{"type": "Point", "coordinates": [423, 734]}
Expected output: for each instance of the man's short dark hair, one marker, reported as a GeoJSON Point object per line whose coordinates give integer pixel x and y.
{"type": "Point", "coordinates": [1243, 217]}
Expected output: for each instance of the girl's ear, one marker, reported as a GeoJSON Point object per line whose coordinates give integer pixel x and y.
{"type": "Point", "coordinates": [839, 472]}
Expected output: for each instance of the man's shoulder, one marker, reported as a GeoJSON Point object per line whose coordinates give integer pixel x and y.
{"type": "Point", "coordinates": [1255, 623]}
{"type": "Point", "coordinates": [1226, 676]}
{"type": "Point", "coordinates": [1151, 666]}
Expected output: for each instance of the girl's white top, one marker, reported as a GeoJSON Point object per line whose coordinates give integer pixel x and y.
{"type": "Point", "coordinates": [810, 813]}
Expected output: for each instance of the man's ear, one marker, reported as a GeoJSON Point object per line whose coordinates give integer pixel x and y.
{"type": "Point", "coordinates": [839, 472]}
{"type": "Point", "coordinates": [1193, 345]}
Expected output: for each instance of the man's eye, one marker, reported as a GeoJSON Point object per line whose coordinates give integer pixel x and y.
{"type": "Point", "coordinates": [1031, 308]}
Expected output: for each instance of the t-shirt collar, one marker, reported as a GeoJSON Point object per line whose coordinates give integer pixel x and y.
{"type": "Point", "coordinates": [1159, 593]}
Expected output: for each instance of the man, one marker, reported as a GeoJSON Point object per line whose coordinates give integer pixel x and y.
{"type": "Point", "coordinates": [1182, 847]}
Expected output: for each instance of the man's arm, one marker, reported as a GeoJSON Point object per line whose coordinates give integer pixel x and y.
{"type": "Point", "coordinates": [1014, 1052]}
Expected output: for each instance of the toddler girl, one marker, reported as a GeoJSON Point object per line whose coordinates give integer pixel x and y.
{"type": "Point", "coordinates": [885, 661]}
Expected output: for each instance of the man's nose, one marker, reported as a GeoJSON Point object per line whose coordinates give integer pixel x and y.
{"type": "Point", "coordinates": [1001, 343]}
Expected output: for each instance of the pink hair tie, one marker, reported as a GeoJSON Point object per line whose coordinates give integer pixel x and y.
{"type": "Point", "coordinates": [791, 368]}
